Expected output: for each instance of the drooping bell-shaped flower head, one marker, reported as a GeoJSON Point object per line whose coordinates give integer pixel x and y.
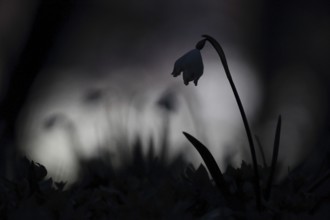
{"type": "Point", "coordinates": [191, 66]}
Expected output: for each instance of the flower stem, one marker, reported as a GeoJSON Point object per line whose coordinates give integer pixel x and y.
{"type": "Point", "coordinates": [274, 159]}
{"type": "Point", "coordinates": [222, 56]}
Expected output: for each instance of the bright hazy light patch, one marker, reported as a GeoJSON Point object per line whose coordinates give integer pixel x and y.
{"type": "Point", "coordinates": [126, 107]}
{"type": "Point", "coordinates": [219, 110]}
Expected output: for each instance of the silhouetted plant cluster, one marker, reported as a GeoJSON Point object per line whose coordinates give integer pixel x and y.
{"type": "Point", "coordinates": [146, 188]}
{"type": "Point", "coordinates": [192, 67]}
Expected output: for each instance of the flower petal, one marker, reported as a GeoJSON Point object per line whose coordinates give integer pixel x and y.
{"type": "Point", "coordinates": [178, 66]}
{"type": "Point", "coordinates": [176, 71]}
{"type": "Point", "coordinates": [185, 76]}
{"type": "Point", "coordinates": [196, 81]}
{"type": "Point", "coordinates": [191, 64]}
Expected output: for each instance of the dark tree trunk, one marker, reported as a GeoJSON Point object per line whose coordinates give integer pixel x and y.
{"type": "Point", "coordinates": [50, 17]}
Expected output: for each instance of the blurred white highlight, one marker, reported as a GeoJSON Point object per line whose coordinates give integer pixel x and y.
{"type": "Point", "coordinates": [128, 109]}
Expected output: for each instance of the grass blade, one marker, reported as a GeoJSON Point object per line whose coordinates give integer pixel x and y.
{"type": "Point", "coordinates": [319, 182]}
{"type": "Point", "coordinates": [210, 162]}
{"type": "Point", "coordinates": [274, 158]}
{"type": "Point", "coordinates": [261, 151]}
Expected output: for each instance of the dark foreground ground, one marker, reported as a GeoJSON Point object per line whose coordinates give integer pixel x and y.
{"type": "Point", "coordinates": [148, 187]}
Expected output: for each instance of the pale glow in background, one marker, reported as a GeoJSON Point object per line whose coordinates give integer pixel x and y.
{"type": "Point", "coordinates": [127, 50]}
{"type": "Point", "coordinates": [219, 121]}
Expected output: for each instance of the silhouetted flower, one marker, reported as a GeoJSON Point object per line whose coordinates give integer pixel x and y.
{"type": "Point", "coordinates": [191, 64]}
